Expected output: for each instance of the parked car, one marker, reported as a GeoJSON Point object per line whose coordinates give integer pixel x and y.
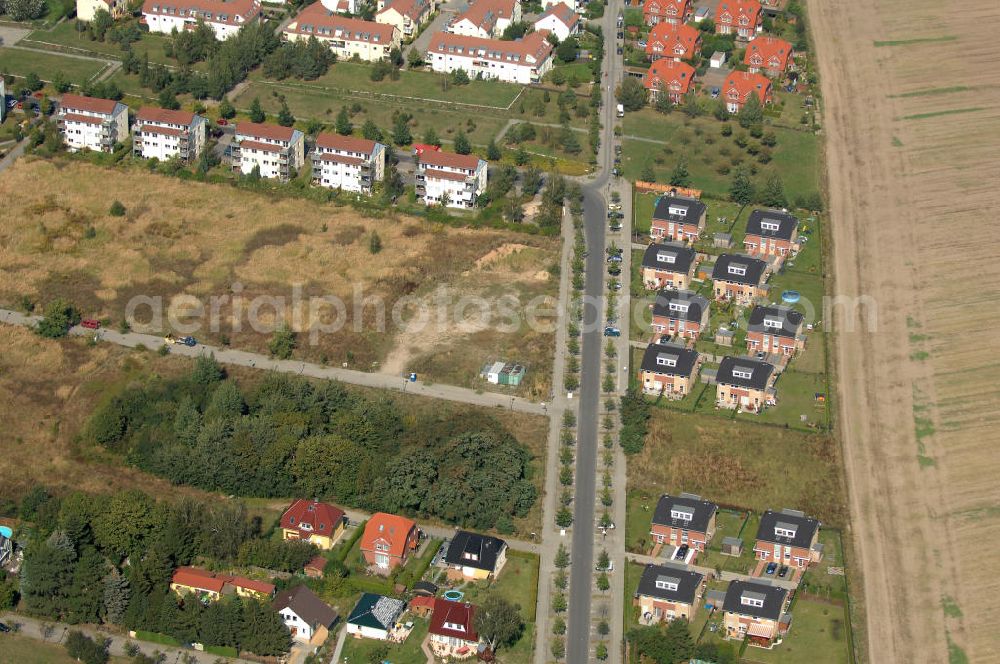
{"type": "Point", "coordinates": [715, 93]}
{"type": "Point", "coordinates": [615, 259]}
{"type": "Point", "coordinates": [614, 285]}
{"type": "Point", "coordinates": [90, 323]}
{"type": "Point", "coordinates": [616, 171]}
{"type": "Point", "coordinates": [4, 628]}
{"type": "Point", "coordinates": [760, 355]}
{"type": "Point", "coordinates": [612, 332]}
{"type": "Point", "coordinates": [783, 571]}
{"type": "Point", "coordinates": [618, 149]}
{"type": "Point", "coordinates": [222, 122]}
{"type": "Point", "coordinates": [682, 552]}
{"type": "Point", "coordinates": [188, 341]}
{"type": "Point", "coordinates": [609, 568]}
{"type": "Point", "coordinates": [770, 568]}
{"type": "Point", "coordinates": [169, 340]}
{"type": "Point", "coordinates": [615, 227]}
{"type": "Point", "coordinates": [619, 50]}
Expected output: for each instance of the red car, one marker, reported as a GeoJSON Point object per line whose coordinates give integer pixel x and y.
{"type": "Point", "coordinates": [90, 323]}
{"type": "Point", "coordinates": [222, 122]}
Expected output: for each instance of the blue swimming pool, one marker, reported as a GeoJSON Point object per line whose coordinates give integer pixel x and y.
{"type": "Point", "coordinates": [6, 532]}
{"type": "Point", "coordinates": [790, 296]}
{"type": "Point", "coordinates": [454, 595]}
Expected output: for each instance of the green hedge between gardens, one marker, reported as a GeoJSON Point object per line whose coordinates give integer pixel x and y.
{"type": "Point", "coordinates": [368, 584]}
{"type": "Point", "coordinates": [157, 638]}
{"type": "Point", "coordinates": [225, 651]}
{"type": "Point", "coordinates": [410, 577]}
{"type": "Point", "coordinates": [340, 555]}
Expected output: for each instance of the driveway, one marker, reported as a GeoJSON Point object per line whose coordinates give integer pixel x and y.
{"type": "Point", "coordinates": [10, 35]}
{"type": "Point", "coordinates": [446, 10]}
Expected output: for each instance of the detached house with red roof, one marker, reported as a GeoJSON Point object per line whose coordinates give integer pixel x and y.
{"type": "Point", "coordinates": [676, 41]}
{"type": "Point", "coordinates": [405, 15]}
{"type": "Point", "coordinates": [274, 150]}
{"type": "Point", "coordinates": [225, 17]}
{"type": "Point", "coordinates": [209, 586]}
{"type": "Point", "coordinates": [742, 18]}
{"type": "Point", "coordinates": [486, 18]}
{"type": "Point", "coordinates": [453, 180]}
{"type": "Point", "coordinates": [560, 20]}
{"type": "Point", "coordinates": [166, 134]}
{"type": "Point", "coordinates": [523, 61]}
{"type": "Point", "coordinates": [320, 524]}
{"type": "Point", "coordinates": [670, 78]}
{"type": "Point", "coordinates": [347, 38]}
{"type": "Point", "coordinates": [769, 55]}
{"type": "Point", "coordinates": [388, 540]}
{"type": "Point", "coordinates": [740, 85]}
{"type": "Point", "coordinates": [452, 630]}
{"type": "Point", "coordinates": [88, 123]}
{"type": "Point", "coordinates": [347, 163]}
{"type": "Point", "coordinates": [655, 12]}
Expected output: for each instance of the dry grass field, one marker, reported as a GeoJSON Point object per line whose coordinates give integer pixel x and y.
{"type": "Point", "coordinates": [57, 238]}
{"type": "Point", "coordinates": [912, 116]}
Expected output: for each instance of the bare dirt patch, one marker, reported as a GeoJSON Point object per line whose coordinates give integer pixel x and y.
{"type": "Point", "coordinates": [913, 143]}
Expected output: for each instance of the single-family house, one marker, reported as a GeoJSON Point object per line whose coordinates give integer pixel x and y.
{"type": "Point", "coordinates": [486, 19]}
{"type": "Point", "coordinates": [668, 265]}
{"type": "Point", "coordinates": [769, 55]}
{"type": "Point", "coordinates": [210, 586]}
{"type": "Point", "coordinates": [523, 61]}
{"type": "Point", "coordinates": [673, 41]}
{"type": "Point", "coordinates": [668, 369]}
{"type": "Point", "coordinates": [755, 610]}
{"type": "Point", "coordinates": [87, 9]}
{"type": "Point", "coordinates": [167, 134]}
{"type": "Point", "coordinates": [347, 37]}
{"type": "Point", "coordinates": [788, 537]}
{"type": "Point", "coordinates": [475, 556]}
{"type": "Point", "coordinates": [88, 123]}
{"type": "Point", "coordinates": [684, 519]}
{"type": "Point", "coordinates": [669, 77]}
{"type": "Point", "coordinates": [560, 20]}
{"type": "Point", "coordinates": [771, 233]}
{"type": "Point", "coordinates": [739, 278]}
{"type": "Point", "coordinates": [745, 384]}
{"type": "Point", "coordinates": [775, 330]}
{"type": "Point", "coordinates": [306, 616]}
{"type": "Point", "coordinates": [742, 18]}
{"type": "Point", "coordinates": [347, 162]}
{"type": "Point", "coordinates": [740, 85]}
{"type": "Point", "coordinates": [450, 179]}
{"type": "Point", "coordinates": [225, 17]}
{"type": "Point", "coordinates": [405, 15]}
{"type": "Point", "coordinates": [657, 12]}
{"type": "Point", "coordinates": [275, 151]}
{"type": "Point", "coordinates": [453, 630]}
{"type": "Point", "coordinates": [375, 616]}
{"type": "Point", "coordinates": [668, 592]}
{"type": "Point", "coordinates": [388, 540]}
{"type": "Point", "coordinates": [320, 524]}
{"type": "Point", "coordinates": [677, 218]}
{"type": "Point", "coordinates": [680, 313]}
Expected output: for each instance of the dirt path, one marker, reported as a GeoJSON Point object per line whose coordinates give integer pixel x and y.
{"type": "Point", "coordinates": [913, 138]}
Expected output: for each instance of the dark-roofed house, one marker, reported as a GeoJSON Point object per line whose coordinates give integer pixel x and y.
{"type": "Point", "coordinates": [775, 330]}
{"type": "Point", "coordinates": [683, 314]}
{"type": "Point", "coordinates": [667, 592]}
{"type": "Point", "coordinates": [678, 219]}
{"type": "Point", "coordinates": [668, 369]}
{"type": "Point", "coordinates": [788, 537]}
{"type": "Point", "coordinates": [739, 278]}
{"type": "Point", "coordinates": [668, 266]}
{"type": "Point", "coordinates": [305, 615]}
{"type": "Point", "coordinates": [475, 556]}
{"type": "Point", "coordinates": [771, 233]}
{"type": "Point", "coordinates": [745, 384]}
{"type": "Point", "coordinates": [684, 519]}
{"type": "Point", "coordinates": [453, 631]}
{"type": "Point", "coordinates": [755, 610]}
{"type": "Point", "coordinates": [375, 616]}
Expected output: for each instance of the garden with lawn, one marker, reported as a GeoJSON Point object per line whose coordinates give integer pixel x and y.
{"type": "Point", "coordinates": [20, 62]}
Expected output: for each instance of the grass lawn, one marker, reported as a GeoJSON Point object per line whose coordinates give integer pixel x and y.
{"type": "Point", "coordinates": [25, 650]}
{"type": "Point", "coordinates": [639, 507]}
{"type": "Point", "coordinates": [518, 583]}
{"type": "Point", "coordinates": [633, 572]}
{"type": "Point", "coordinates": [21, 63]}
{"type": "Point", "coordinates": [796, 397]}
{"type": "Point", "coordinates": [357, 651]}
{"type": "Point", "coordinates": [819, 635]}
{"type": "Point", "coordinates": [818, 581]}
{"type": "Point", "coordinates": [65, 34]}
{"type": "Point", "coordinates": [532, 107]}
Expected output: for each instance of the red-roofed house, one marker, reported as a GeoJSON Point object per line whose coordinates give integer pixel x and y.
{"type": "Point", "coordinates": [670, 40]}
{"type": "Point", "coordinates": [675, 12]}
{"type": "Point", "coordinates": [225, 17]}
{"type": "Point", "coordinates": [741, 84]}
{"type": "Point", "coordinates": [320, 524]}
{"type": "Point", "coordinates": [275, 150]}
{"type": "Point", "coordinates": [669, 77]}
{"type": "Point", "coordinates": [166, 134]}
{"type": "Point", "coordinates": [388, 540]}
{"type": "Point", "coordinates": [486, 18]}
{"type": "Point", "coordinates": [452, 630]}
{"type": "Point", "coordinates": [405, 15]}
{"type": "Point", "coordinates": [742, 18]}
{"type": "Point", "coordinates": [768, 54]}
{"type": "Point", "coordinates": [422, 606]}
{"type": "Point", "coordinates": [560, 20]}
{"type": "Point", "coordinates": [346, 37]}
{"type": "Point", "coordinates": [88, 123]}
{"type": "Point", "coordinates": [209, 586]}
{"type": "Point", "coordinates": [316, 567]}
{"type": "Point", "coordinates": [446, 178]}
{"type": "Point", "coordinates": [522, 61]}
{"type": "Point", "coordinates": [347, 162]}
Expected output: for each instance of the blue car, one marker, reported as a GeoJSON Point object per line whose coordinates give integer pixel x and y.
{"type": "Point", "coordinates": [612, 332]}
{"type": "Point", "coordinates": [770, 568]}
{"type": "Point", "coordinates": [188, 341]}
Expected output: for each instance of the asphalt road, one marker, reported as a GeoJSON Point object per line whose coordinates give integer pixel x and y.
{"type": "Point", "coordinates": [595, 227]}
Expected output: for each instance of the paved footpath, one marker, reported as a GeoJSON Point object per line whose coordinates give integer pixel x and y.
{"type": "Point", "coordinates": [264, 362]}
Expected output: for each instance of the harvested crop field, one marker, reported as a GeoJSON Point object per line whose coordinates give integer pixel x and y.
{"type": "Point", "coordinates": [213, 242]}
{"type": "Point", "coordinates": [912, 116]}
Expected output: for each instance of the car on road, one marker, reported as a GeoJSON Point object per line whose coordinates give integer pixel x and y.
{"type": "Point", "coordinates": [615, 227]}
{"type": "Point", "coordinates": [612, 332]}
{"type": "Point", "coordinates": [783, 571]}
{"type": "Point", "coordinates": [4, 628]}
{"type": "Point", "coordinates": [188, 341]}
{"type": "Point", "coordinates": [619, 50]}
{"type": "Point", "coordinates": [770, 568]}
{"type": "Point", "coordinates": [682, 552]}
{"type": "Point", "coordinates": [615, 259]}
{"type": "Point", "coordinates": [90, 323]}
{"type": "Point", "coordinates": [715, 93]}
{"type": "Point", "coordinates": [616, 171]}
{"type": "Point", "coordinates": [614, 206]}
{"type": "Point", "coordinates": [222, 122]}
{"type": "Point", "coordinates": [621, 34]}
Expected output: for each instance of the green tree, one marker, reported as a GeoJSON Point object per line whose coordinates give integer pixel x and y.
{"type": "Point", "coordinates": [126, 523]}
{"type": "Point", "coordinates": [58, 316]}
{"type": "Point", "coordinates": [493, 151]}
{"type": "Point", "coordinates": [226, 109]}
{"type": "Point", "coordinates": [101, 24]}
{"type": "Point", "coordinates": [752, 113]}
{"type": "Point", "coordinates": [168, 100]}
{"type": "Point", "coordinates": [648, 174]}
{"type": "Point", "coordinates": [401, 130]}
{"type": "Point", "coordinates": [631, 94]}
{"type": "Point", "coordinates": [741, 187]}
{"type": "Point", "coordinates": [566, 51]}
{"type": "Point", "coordinates": [84, 649]}
{"type": "Point", "coordinates": [462, 145]}
{"type": "Point", "coordinates": [414, 59]}
{"type": "Point", "coordinates": [773, 192]}
{"type": "Point", "coordinates": [285, 117]}
{"type": "Point", "coordinates": [374, 243]}
{"type": "Point", "coordinates": [562, 557]}
{"type": "Point", "coordinates": [282, 342]}
{"type": "Point", "coordinates": [371, 131]}
{"type": "Point", "coordinates": [431, 137]}
{"type": "Point", "coordinates": [343, 124]}
{"type": "Point", "coordinates": [256, 112]}
{"type": "Point", "coordinates": [498, 621]}
{"type": "Point", "coordinates": [680, 177]}
{"type": "Point", "coordinates": [207, 370]}
{"type": "Point", "coordinates": [117, 209]}
{"type": "Point", "coordinates": [460, 77]}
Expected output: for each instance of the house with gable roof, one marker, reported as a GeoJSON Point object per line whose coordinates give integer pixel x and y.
{"type": "Point", "coordinates": [320, 524]}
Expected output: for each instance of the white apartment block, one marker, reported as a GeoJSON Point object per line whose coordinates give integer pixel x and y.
{"type": "Point", "coordinates": [274, 149]}
{"type": "Point", "coordinates": [166, 134]}
{"type": "Point", "coordinates": [348, 163]}
{"type": "Point", "coordinates": [346, 37]}
{"type": "Point", "coordinates": [87, 9]}
{"type": "Point", "coordinates": [486, 18]}
{"type": "Point", "coordinates": [523, 61]}
{"type": "Point", "coordinates": [225, 17]}
{"type": "Point", "coordinates": [87, 123]}
{"type": "Point", "coordinates": [446, 178]}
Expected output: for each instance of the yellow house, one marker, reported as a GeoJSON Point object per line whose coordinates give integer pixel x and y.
{"type": "Point", "coordinates": [320, 524]}
{"type": "Point", "coordinates": [211, 587]}
{"type": "Point", "coordinates": [475, 556]}
{"type": "Point", "coordinates": [86, 9]}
